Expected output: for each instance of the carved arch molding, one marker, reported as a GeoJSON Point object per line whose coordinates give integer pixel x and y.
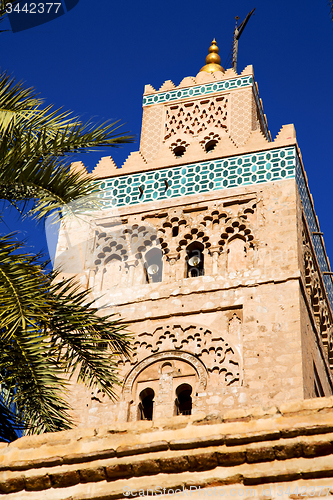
{"type": "Point", "coordinates": [207, 351]}
{"type": "Point", "coordinates": [163, 356]}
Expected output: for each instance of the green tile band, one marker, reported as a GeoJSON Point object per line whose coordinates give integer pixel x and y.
{"type": "Point", "coordinates": [196, 178]}
{"type": "Point", "coordinates": [197, 90]}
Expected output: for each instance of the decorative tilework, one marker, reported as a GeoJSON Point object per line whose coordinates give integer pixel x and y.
{"type": "Point", "coordinates": [197, 90]}
{"type": "Point", "coordinates": [196, 178]}
{"type": "Point", "coordinates": [313, 226]}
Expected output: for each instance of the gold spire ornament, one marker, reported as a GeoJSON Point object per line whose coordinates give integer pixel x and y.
{"type": "Point", "coordinates": [213, 60]}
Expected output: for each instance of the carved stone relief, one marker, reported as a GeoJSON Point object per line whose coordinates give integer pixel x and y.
{"type": "Point", "coordinates": [207, 351]}
{"type": "Point", "coordinates": [225, 236]}
{"type": "Point", "coordinates": [317, 297]}
{"type": "Point", "coordinates": [195, 117]}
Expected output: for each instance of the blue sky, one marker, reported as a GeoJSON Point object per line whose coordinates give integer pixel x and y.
{"type": "Point", "coordinates": [97, 58]}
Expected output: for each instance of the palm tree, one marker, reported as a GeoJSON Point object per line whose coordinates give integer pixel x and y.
{"type": "Point", "coordinates": [49, 331]}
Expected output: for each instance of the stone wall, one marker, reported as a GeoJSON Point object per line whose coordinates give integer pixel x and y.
{"type": "Point", "coordinates": [282, 452]}
{"type": "Point", "coordinates": [249, 324]}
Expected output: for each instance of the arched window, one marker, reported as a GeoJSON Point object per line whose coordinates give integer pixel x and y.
{"type": "Point", "coordinates": [236, 253]}
{"type": "Point", "coordinates": [112, 272]}
{"type": "Point", "coordinates": [146, 404]}
{"type": "Point", "coordinates": [195, 260]}
{"type": "Point", "coordinates": [184, 400]}
{"type": "Point", "coordinates": [113, 257]}
{"type": "Point", "coordinates": [154, 265]}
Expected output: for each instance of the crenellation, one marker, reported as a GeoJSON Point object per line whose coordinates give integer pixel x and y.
{"type": "Point", "coordinates": [248, 70]}
{"type": "Point", "coordinates": [167, 85]}
{"type": "Point", "coordinates": [134, 161]}
{"type": "Point", "coordinates": [105, 168]}
{"type": "Point", "coordinates": [188, 81]}
{"type": "Point", "coordinates": [230, 73]}
{"type": "Point", "coordinates": [149, 89]}
{"type": "Point", "coordinates": [256, 139]}
{"type": "Point", "coordinates": [286, 132]}
{"type": "Point", "coordinates": [203, 77]}
{"type": "Point", "coordinates": [78, 167]}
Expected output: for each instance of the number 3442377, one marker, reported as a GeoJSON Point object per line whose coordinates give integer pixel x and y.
{"type": "Point", "coordinates": [33, 8]}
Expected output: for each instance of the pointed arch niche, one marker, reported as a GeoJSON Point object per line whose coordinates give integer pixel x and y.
{"type": "Point", "coordinates": [236, 253]}
{"type": "Point", "coordinates": [186, 356]}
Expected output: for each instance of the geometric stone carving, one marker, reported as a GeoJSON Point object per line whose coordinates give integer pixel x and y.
{"type": "Point", "coordinates": [151, 130]}
{"type": "Point", "coordinates": [216, 354]}
{"type": "Point", "coordinates": [215, 228]}
{"type": "Point", "coordinates": [317, 296]}
{"type": "Point", "coordinates": [194, 117]}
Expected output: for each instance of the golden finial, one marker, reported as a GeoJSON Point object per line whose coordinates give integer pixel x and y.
{"type": "Point", "coordinates": [213, 60]}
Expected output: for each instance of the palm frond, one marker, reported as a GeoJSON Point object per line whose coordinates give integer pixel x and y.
{"type": "Point", "coordinates": [38, 131]}
{"type": "Point", "coordinates": [85, 331]}
{"type": "Point", "coordinates": [49, 331]}
{"type": "Point", "coordinates": [28, 367]}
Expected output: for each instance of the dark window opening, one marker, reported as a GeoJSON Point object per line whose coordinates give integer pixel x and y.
{"type": "Point", "coordinates": [175, 231]}
{"type": "Point", "coordinates": [154, 265]}
{"type": "Point", "coordinates": [210, 146]}
{"type": "Point", "coordinates": [195, 260]}
{"type": "Point", "coordinates": [146, 405]}
{"type": "Point", "coordinates": [184, 400]}
{"type": "Point", "coordinates": [179, 151]}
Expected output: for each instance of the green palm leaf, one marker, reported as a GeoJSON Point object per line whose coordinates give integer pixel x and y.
{"type": "Point", "coordinates": [49, 331]}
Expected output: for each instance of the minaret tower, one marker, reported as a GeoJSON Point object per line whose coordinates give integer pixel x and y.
{"type": "Point", "coordinates": [208, 246]}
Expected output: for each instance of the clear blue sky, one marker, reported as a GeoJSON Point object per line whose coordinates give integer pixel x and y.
{"type": "Point", "coordinates": [97, 58]}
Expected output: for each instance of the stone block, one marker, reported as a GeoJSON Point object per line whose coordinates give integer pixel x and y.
{"type": "Point", "coordinates": [318, 448]}
{"type": "Point", "coordinates": [38, 483]}
{"type": "Point", "coordinates": [174, 464]}
{"type": "Point", "coordinates": [88, 457]}
{"type": "Point", "coordinates": [287, 451]}
{"type": "Point", "coordinates": [65, 479]}
{"type": "Point", "coordinates": [92, 474]}
{"type": "Point", "coordinates": [251, 437]}
{"type": "Point", "coordinates": [230, 459]}
{"type": "Point", "coordinates": [237, 414]}
{"type": "Point", "coordinates": [186, 444]}
{"type": "Point", "coordinates": [146, 468]}
{"type": "Point", "coordinates": [118, 471]}
{"type": "Point", "coordinates": [203, 461]}
{"type": "Point", "coordinates": [12, 485]}
{"type": "Point", "coordinates": [262, 454]}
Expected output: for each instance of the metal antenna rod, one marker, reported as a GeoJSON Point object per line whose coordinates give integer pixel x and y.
{"type": "Point", "coordinates": [237, 33]}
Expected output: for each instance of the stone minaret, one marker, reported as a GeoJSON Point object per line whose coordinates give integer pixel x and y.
{"type": "Point", "coordinates": [209, 247]}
